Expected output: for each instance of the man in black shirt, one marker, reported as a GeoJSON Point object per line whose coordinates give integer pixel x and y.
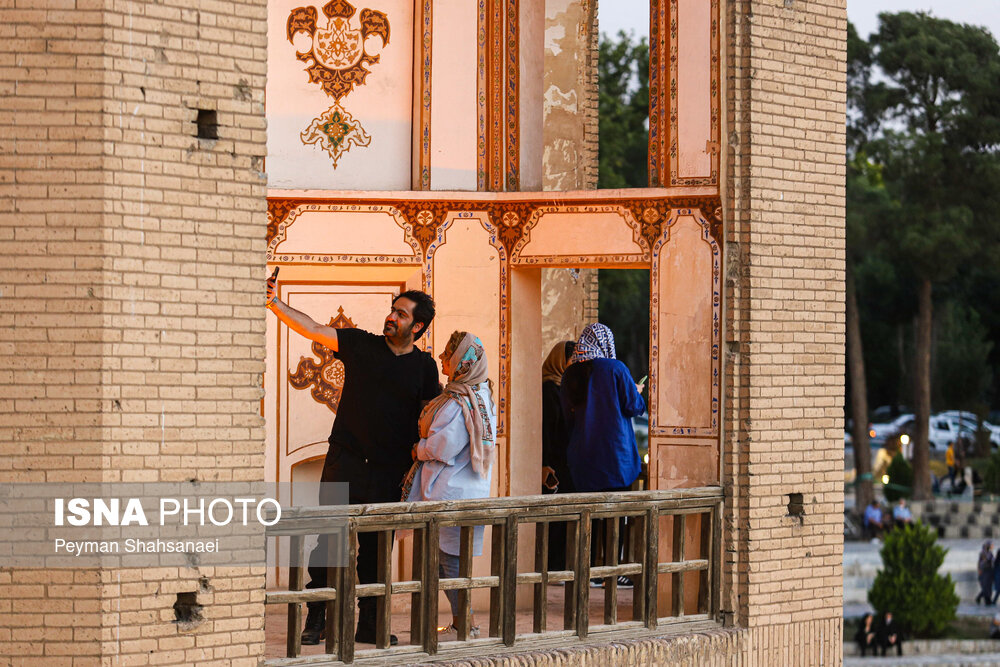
{"type": "Point", "coordinates": [387, 381]}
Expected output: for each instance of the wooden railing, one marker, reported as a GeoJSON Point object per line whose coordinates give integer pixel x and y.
{"type": "Point", "coordinates": [692, 512]}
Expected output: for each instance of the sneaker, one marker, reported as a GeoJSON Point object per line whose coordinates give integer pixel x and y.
{"type": "Point", "coordinates": [315, 628]}
{"type": "Point", "coordinates": [624, 581]}
{"type": "Point", "coordinates": [596, 583]}
{"type": "Point", "coordinates": [450, 633]}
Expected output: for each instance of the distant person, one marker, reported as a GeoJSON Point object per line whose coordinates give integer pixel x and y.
{"type": "Point", "coordinates": [890, 634]}
{"type": "Point", "coordinates": [901, 514]}
{"type": "Point", "coordinates": [985, 572]}
{"type": "Point", "coordinates": [949, 460]}
{"type": "Point", "coordinates": [555, 439]}
{"type": "Point", "coordinates": [866, 636]}
{"type": "Point", "coordinates": [995, 626]}
{"type": "Point", "coordinates": [873, 520]}
{"type": "Point", "coordinates": [454, 457]}
{"type": "Point", "coordinates": [996, 577]}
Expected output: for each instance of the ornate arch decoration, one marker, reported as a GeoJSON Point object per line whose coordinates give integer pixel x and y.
{"type": "Point", "coordinates": [325, 379]}
{"type": "Point", "coordinates": [707, 213]}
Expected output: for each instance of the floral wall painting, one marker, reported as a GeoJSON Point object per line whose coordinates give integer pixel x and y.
{"type": "Point", "coordinates": [337, 60]}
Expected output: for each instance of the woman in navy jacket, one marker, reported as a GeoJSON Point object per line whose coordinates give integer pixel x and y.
{"type": "Point", "coordinates": [599, 399]}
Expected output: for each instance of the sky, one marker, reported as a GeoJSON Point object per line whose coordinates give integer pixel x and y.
{"type": "Point", "coordinates": [633, 15]}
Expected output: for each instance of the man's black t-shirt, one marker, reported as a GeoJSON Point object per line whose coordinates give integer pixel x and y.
{"type": "Point", "coordinates": [382, 398]}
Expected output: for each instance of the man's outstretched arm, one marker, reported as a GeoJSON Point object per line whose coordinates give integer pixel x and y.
{"type": "Point", "coordinates": [299, 322]}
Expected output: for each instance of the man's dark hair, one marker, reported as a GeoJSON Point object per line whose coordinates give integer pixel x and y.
{"type": "Point", "coordinates": [423, 308]}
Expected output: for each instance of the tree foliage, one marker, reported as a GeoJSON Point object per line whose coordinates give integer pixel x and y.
{"type": "Point", "coordinates": [909, 586]}
{"type": "Point", "coordinates": [623, 294]}
{"type": "Point", "coordinates": [924, 116]}
{"type": "Point", "coordinates": [623, 112]}
{"type": "Point", "coordinates": [900, 479]}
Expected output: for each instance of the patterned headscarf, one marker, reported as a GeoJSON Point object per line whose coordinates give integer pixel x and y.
{"type": "Point", "coordinates": [469, 371]}
{"type": "Point", "coordinates": [596, 342]}
{"type": "Point", "coordinates": [555, 364]}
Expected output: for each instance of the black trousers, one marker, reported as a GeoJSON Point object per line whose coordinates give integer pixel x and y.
{"type": "Point", "coordinates": [367, 483]}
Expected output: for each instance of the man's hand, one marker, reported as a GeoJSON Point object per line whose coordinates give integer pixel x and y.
{"type": "Point", "coordinates": [271, 284]}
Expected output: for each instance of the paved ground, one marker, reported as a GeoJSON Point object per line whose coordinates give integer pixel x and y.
{"type": "Point", "coordinates": [981, 660]}
{"type": "Point", "coordinates": [862, 561]}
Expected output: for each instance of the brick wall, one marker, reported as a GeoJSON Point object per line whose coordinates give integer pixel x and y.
{"type": "Point", "coordinates": [785, 324]}
{"type": "Point", "coordinates": [132, 333]}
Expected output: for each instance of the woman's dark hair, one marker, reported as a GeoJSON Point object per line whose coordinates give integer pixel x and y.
{"type": "Point", "coordinates": [423, 308]}
{"type": "Point", "coordinates": [569, 348]}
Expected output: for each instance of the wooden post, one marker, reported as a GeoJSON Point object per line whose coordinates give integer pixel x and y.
{"type": "Point", "coordinates": [383, 606]}
{"type": "Point", "coordinates": [705, 580]}
{"type": "Point", "coordinates": [569, 592]}
{"type": "Point", "coordinates": [416, 599]}
{"type": "Point", "coordinates": [652, 566]}
{"type": "Point", "coordinates": [637, 538]}
{"type": "Point", "coordinates": [583, 576]}
{"type": "Point", "coordinates": [611, 583]}
{"type": "Point", "coordinates": [497, 570]}
{"type": "Point", "coordinates": [466, 536]}
{"type": "Point", "coordinates": [345, 597]}
{"type": "Point", "coordinates": [677, 585]}
{"type": "Point", "coordinates": [334, 578]}
{"type": "Point", "coordinates": [295, 583]}
{"type": "Point", "coordinates": [541, 566]}
{"type": "Point", "coordinates": [432, 550]}
{"type": "Point", "coordinates": [509, 581]}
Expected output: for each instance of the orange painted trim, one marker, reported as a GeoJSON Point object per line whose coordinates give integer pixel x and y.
{"type": "Point", "coordinates": [426, 42]}
{"type": "Point", "coordinates": [482, 95]}
{"type": "Point", "coordinates": [495, 98]}
{"type": "Point", "coordinates": [658, 102]}
{"type": "Point", "coordinates": [512, 86]}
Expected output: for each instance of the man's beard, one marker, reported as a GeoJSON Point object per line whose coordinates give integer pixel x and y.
{"type": "Point", "coordinates": [395, 330]}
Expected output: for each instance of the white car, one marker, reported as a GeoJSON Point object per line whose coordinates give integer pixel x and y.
{"type": "Point", "coordinates": [939, 434]}
{"type": "Point", "coordinates": [958, 423]}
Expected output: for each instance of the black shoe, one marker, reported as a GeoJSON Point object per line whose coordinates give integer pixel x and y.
{"type": "Point", "coordinates": [366, 635]}
{"type": "Point", "coordinates": [624, 581]}
{"type": "Point", "coordinates": [315, 629]}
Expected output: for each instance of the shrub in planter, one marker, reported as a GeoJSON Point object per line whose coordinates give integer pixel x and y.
{"type": "Point", "coordinates": [900, 479]}
{"type": "Point", "coordinates": [908, 585]}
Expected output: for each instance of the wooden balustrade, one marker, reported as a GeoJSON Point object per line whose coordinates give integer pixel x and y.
{"type": "Point", "coordinates": [691, 511]}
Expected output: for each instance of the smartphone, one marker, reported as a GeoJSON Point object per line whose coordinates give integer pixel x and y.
{"type": "Point", "coordinates": [643, 380]}
{"type": "Point", "coordinates": [275, 274]}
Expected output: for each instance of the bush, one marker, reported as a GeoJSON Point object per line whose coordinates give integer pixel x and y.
{"type": "Point", "coordinates": [991, 474]}
{"type": "Point", "coordinates": [908, 584]}
{"type": "Point", "coordinates": [900, 479]}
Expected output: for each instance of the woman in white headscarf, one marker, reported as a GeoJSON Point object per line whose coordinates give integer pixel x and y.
{"type": "Point", "coordinates": [454, 458]}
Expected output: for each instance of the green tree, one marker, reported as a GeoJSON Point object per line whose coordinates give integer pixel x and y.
{"type": "Point", "coordinates": [908, 585]}
{"type": "Point", "coordinates": [623, 112]}
{"type": "Point", "coordinates": [623, 302]}
{"type": "Point", "coordinates": [962, 350]}
{"type": "Point", "coordinates": [900, 479]}
{"type": "Point", "coordinates": [936, 106]}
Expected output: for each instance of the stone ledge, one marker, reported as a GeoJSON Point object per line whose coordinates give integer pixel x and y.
{"type": "Point", "coordinates": [718, 644]}
{"type": "Point", "coordinates": [938, 647]}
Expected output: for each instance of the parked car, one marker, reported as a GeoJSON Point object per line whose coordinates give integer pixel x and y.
{"type": "Point", "coordinates": [960, 423]}
{"type": "Point", "coordinates": [939, 434]}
